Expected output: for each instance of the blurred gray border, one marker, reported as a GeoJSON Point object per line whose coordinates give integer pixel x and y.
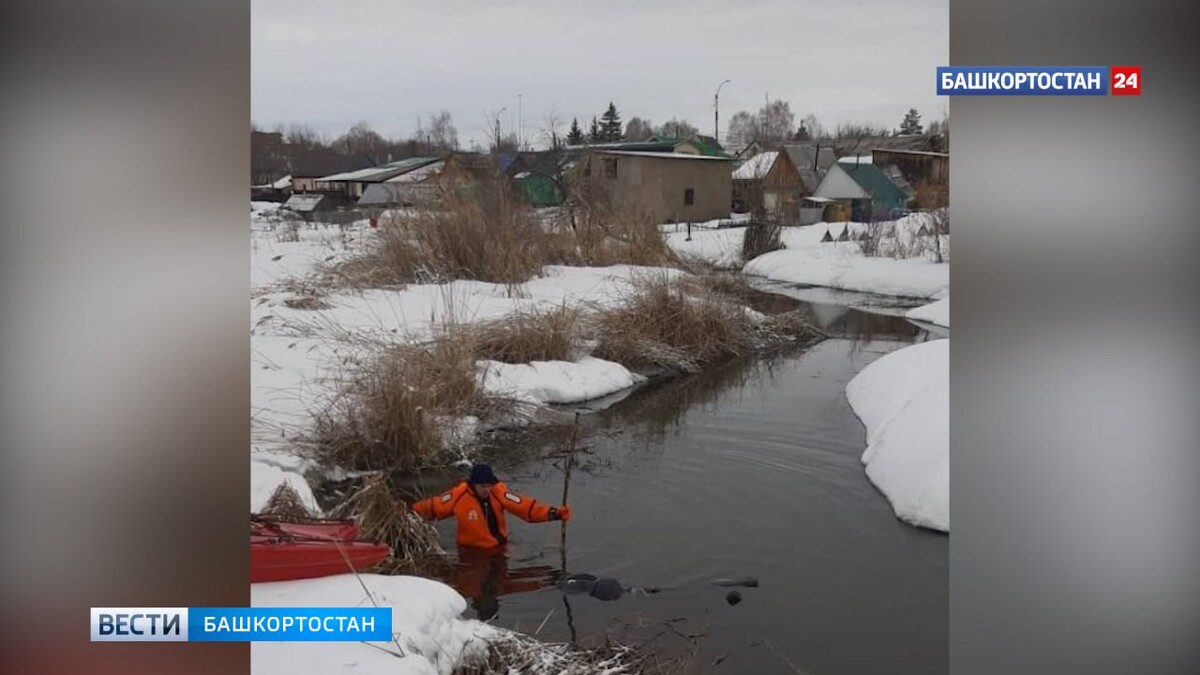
{"type": "Point", "coordinates": [1074, 364]}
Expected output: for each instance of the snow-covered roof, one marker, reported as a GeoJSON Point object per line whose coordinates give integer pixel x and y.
{"type": "Point", "coordinates": [664, 155]}
{"type": "Point", "coordinates": [419, 174]}
{"type": "Point", "coordinates": [350, 175]}
{"type": "Point", "coordinates": [283, 183]}
{"type": "Point", "coordinates": [756, 167]}
{"type": "Point", "coordinates": [377, 174]}
{"type": "Point", "coordinates": [855, 159]}
{"type": "Point", "coordinates": [304, 202]}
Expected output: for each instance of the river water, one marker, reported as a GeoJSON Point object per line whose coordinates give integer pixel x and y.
{"type": "Point", "coordinates": [749, 469]}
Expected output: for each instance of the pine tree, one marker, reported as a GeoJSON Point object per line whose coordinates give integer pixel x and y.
{"type": "Point", "coordinates": [912, 123]}
{"type": "Point", "coordinates": [594, 133]}
{"type": "Point", "coordinates": [610, 124]}
{"type": "Point", "coordinates": [575, 135]}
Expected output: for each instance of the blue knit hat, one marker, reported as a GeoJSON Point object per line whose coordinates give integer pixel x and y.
{"type": "Point", "coordinates": [482, 474]}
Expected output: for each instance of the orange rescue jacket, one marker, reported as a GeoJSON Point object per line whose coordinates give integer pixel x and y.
{"type": "Point", "coordinates": [473, 530]}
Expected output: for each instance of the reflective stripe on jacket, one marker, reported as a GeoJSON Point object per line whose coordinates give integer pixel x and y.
{"type": "Point", "coordinates": [461, 503]}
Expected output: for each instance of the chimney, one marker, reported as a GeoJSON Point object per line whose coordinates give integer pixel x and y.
{"type": "Point", "coordinates": [816, 156]}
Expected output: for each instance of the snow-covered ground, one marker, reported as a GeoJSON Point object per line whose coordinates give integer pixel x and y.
{"type": "Point", "coordinates": [546, 382]}
{"type": "Point", "coordinates": [903, 400]}
{"type": "Point", "coordinates": [430, 637]}
{"type": "Point", "coordinates": [808, 261]}
{"type": "Point", "coordinates": [719, 248]}
{"type": "Point", "coordinates": [297, 354]}
{"type": "Point", "coordinates": [936, 313]}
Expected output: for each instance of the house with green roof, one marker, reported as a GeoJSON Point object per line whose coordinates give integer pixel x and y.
{"type": "Point", "coordinates": [870, 194]}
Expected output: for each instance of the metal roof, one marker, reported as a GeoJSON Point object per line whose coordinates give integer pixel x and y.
{"type": "Point", "coordinates": [665, 155]}
{"type": "Point", "coordinates": [316, 165]}
{"type": "Point", "coordinates": [874, 181]}
{"type": "Point", "coordinates": [805, 155]}
{"type": "Point", "coordinates": [418, 174]}
{"type": "Point", "coordinates": [378, 174]}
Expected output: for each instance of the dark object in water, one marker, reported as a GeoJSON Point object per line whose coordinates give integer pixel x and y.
{"type": "Point", "coordinates": [577, 583]}
{"type": "Point", "coordinates": [733, 597]}
{"type": "Point", "coordinates": [601, 588]}
{"type": "Point", "coordinates": [745, 582]}
{"type": "Point", "coordinates": [606, 588]}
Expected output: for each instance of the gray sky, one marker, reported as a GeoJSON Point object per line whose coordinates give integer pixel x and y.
{"type": "Point", "coordinates": [329, 64]}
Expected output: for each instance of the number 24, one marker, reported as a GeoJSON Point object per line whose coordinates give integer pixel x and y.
{"type": "Point", "coordinates": [1123, 80]}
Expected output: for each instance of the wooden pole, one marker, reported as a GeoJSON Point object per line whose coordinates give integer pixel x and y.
{"type": "Point", "coordinates": [566, 488]}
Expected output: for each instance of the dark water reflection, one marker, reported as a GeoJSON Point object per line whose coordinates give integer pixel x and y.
{"type": "Point", "coordinates": [750, 468]}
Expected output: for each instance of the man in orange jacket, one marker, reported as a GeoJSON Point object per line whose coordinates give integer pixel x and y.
{"type": "Point", "coordinates": [479, 504]}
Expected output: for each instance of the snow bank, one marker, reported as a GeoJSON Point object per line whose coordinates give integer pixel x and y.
{"type": "Point", "coordinates": [903, 400]}
{"type": "Point", "coordinates": [809, 261]}
{"type": "Point", "coordinates": [425, 620]}
{"type": "Point", "coordinates": [266, 476]}
{"type": "Point", "coordinates": [719, 248]}
{"type": "Point", "coordinates": [548, 382]}
{"type": "Point", "coordinates": [842, 265]}
{"type": "Point", "coordinates": [937, 313]}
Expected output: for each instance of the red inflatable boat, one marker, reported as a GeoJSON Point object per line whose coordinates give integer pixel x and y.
{"type": "Point", "coordinates": [335, 530]}
{"type": "Point", "coordinates": [280, 551]}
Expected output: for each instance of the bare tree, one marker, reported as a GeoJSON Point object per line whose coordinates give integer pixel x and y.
{"type": "Point", "coordinates": [361, 140]}
{"type": "Point", "coordinates": [778, 122]}
{"type": "Point", "coordinates": [638, 129]}
{"type": "Point", "coordinates": [860, 130]}
{"type": "Point", "coordinates": [506, 142]}
{"type": "Point", "coordinates": [303, 136]}
{"type": "Point", "coordinates": [442, 134]}
{"type": "Point", "coordinates": [677, 128]}
{"type": "Point", "coordinates": [743, 129]}
{"type": "Point", "coordinates": [773, 122]}
{"type": "Point", "coordinates": [813, 126]}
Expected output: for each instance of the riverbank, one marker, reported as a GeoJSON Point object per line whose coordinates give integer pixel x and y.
{"type": "Point", "coordinates": [903, 399]}
{"type": "Point", "coordinates": [903, 265]}
{"type": "Point", "coordinates": [313, 342]}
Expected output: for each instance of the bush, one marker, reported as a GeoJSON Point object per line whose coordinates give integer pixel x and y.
{"type": "Point", "coordinates": [761, 238]}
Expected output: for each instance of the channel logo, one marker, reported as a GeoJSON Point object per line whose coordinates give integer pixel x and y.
{"type": "Point", "coordinates": [1039, 81]}
{"type": "Point", "coordinates": [241, 624]}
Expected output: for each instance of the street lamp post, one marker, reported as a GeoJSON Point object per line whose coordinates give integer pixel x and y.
{"type": "Point", "coordinates": [717, 112]}
{"type": "Point", "coordinates": [498, 114]}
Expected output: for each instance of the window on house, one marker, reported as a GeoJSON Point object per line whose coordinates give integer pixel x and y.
{"type": "Point", "coordinates": [689, 197]}
{"type": "Point", "coordinates": [610, 168]}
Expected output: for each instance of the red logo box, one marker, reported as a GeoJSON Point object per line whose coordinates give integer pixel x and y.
{"type": "Point", "coordinates": [1125, 81]}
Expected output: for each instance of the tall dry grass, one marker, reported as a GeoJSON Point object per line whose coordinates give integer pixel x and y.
{"type": "Point", "coordinates": [393, 413]}
{"type": "Point", "coordinates": [528, 335]}
{"type": "Point", "coordinates": [683, 324]}
{"type": "Point", "coordinates": [416, 544]}
{"type": "Point", "coordinates": [487, 233]}
{"type": "Point", "coordinates": [665, 325]}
